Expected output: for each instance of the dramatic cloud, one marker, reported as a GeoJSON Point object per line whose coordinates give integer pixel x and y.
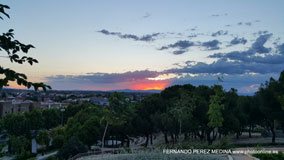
{"type": "Point", "coordinates": [223, 66]}
{"type": "Point", "coordinates": [211, 45]}
{"type": "Point", "coordinates": [280, 49]}
{"type": "Point", "coordinates": [145, 38]}
{"type": "Point", "coordinates": [183, 44]}
{"type": "Point", "coordinates": [180, 46]}
{"type": "Point", "coordinates": [112, 77]}
{"type": "Point", "coordinates": [246, 84]}
{"type": "Point", "coordinates": [257, 59]}
{"type": "Point", "coordinates": [258, 45]}
{"type": "Point", "coordinates": [219, 33]}
{"type": "Point", "coordinates": [238, 40]}
{"type": "Point", "coordinates": [247, 57]}
{"type": "Point", "coordinates": [250, 54]}
{"type": "Point", "coordinates": [244, 70]}
{"type": "Point", "coordinates": [140, 80]}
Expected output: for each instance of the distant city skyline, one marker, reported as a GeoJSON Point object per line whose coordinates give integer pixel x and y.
{"type": "Point", "coordinates": [145, 45]}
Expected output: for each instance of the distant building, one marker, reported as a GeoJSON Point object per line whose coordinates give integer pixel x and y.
{"type": "Point", "coordinates": [51, 104]}
{"type": "Point", "coordinates": [102, 101]}
{"type": "Point", "coordinates": [7, 107]}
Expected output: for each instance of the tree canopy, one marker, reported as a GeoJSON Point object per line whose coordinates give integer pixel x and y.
{"type": "Point", "coordinates": [14, 50]}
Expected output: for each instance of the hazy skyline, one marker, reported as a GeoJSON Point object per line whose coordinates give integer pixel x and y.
{"type": "Point", "coordinates": [108, 45]}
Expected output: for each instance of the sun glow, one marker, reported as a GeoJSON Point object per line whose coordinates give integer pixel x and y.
{"type": "Point", "coordinates": [14, 85]}
{"type": "Point", "coordinates": [150, 85]}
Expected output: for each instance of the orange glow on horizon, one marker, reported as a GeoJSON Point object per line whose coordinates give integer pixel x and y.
{"type": "Point", "coordinates": [14, 85]}
{"type": "Point", "coordinates": [150, 85]}
{"type": "Point", "coordinates": [138, 85]}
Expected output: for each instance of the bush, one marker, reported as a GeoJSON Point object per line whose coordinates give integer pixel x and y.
{"type": "Point", "coordinates": [58, 141]}
{"type": "Point", "coordinates": [52, 158]}
{"type": "Point", "coordinates": [19, 145]}
{"type": "Point", "coordinates": [24, 156]}
{"type": "Point", "coordinates": [73, 147]}
{"type": "Point", "coordinates": [265, 133]}
{"type": "Point", "coordinates": [263, 156]}
{"type": "Point", "coordinates": [224, 143]}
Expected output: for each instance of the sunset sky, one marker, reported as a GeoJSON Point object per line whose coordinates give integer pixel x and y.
{"type": "Point", "coordinates": [141, 45]}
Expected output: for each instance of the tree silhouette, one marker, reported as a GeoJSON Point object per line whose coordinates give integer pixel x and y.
{"type": "Point", "coordinates": [12, 47]}
{"type": "Point", "coordinates": [215, 113]}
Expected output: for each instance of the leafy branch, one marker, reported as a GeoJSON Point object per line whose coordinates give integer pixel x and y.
{"type": "Point", "coordinates": [12, 47]}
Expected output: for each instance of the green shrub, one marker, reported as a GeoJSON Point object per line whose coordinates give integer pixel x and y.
{"type": "Point", "coordinates": [73, 147]}
{"type": "Point", "coordinates": [224, 143]}
{"type": "Point", "coordinates": [52, 158]}
{"type": "Point", "coordinates": [24, 156]}
{"type": "Point", "coordinates": [58, 141]}
{"type": "Point", "coordinates": [265, 133]}
{"type": "Point", "coordinates": [264, 156]}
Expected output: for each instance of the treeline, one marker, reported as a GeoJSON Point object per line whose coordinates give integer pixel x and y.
{"type": "Point", "coordinates": [43, 125]}
{"type": "Point", "coordinates": [182, 111]}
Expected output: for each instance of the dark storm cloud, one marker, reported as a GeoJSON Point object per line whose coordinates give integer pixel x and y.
{"type": "Point", "coordinates": [145, 38]}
